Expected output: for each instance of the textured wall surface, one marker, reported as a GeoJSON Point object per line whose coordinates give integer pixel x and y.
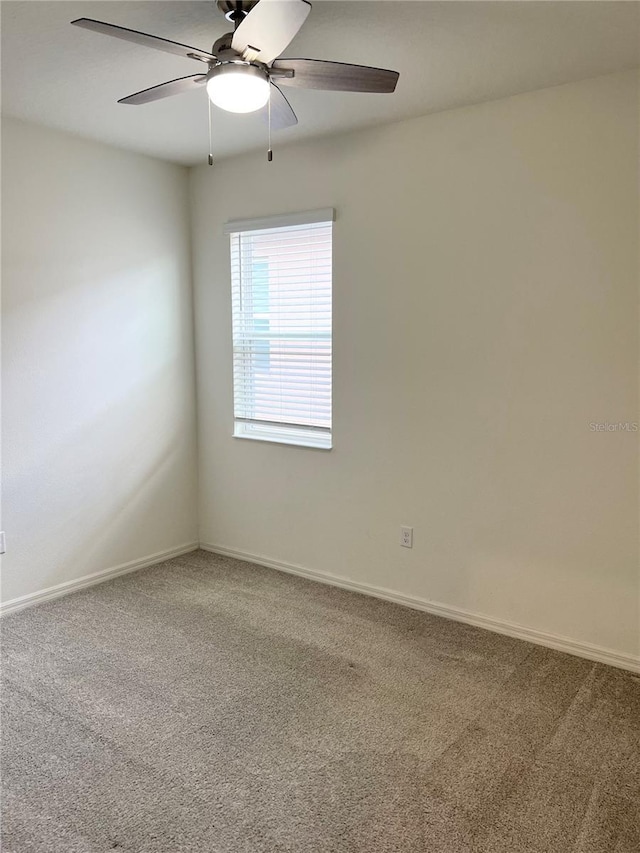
{"type": "Point", "coordinates": [98, 390]}
{"type": "Point", "coordinates": [485, 315]}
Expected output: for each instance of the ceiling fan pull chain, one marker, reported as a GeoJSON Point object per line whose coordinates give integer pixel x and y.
{"type": "Point", "coordinates": [269, 151]}
{"type": "Point", "coordinates": [210, 142]}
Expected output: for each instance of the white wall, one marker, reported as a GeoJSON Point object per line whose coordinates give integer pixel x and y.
{"type": "Point", "coordinates": [486, 312]}
{"type": "Point", "coordinates": [98, 386]}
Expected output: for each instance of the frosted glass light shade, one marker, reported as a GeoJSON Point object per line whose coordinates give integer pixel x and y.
{"type": "Point", "coordinates": [238, 88]}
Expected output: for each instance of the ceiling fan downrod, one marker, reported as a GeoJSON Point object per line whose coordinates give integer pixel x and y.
{"type": "Point", "coordinates": [235, 11]}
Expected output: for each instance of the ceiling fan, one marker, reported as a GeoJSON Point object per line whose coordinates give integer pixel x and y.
{"type": "Point", "coordinates": [243, 67]}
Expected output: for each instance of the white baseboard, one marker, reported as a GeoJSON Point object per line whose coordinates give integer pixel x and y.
{"type": "Point", "coordinates": [68, 587]}
{"type": "Point", "coordinates": [541, 638]}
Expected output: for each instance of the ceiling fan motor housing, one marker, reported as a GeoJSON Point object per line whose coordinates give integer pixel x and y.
{"type": "Point", "coordinates": [222, 46]}
{"type": "Point", "coordinates": [233, 64]}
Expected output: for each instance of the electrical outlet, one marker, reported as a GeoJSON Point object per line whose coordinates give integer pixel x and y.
{"type": "Point", "coordinates": [406, 537]}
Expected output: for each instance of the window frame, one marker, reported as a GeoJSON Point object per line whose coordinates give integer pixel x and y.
{"type": "Point", "coordinates": [311, 437]}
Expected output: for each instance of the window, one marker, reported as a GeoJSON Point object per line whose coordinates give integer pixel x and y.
{"type": "Point", "coordinates": [281, 304]}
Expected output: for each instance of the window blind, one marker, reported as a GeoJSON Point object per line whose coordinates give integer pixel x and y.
{"type": "Point", "coordinates": [281, 304]}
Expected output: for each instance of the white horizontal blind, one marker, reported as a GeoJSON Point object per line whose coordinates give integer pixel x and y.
{"type": "Point", "coordinates": [281, 301]}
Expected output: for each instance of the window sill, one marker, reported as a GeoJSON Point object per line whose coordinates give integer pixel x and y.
{"type": "Point", "coordinates": [296, 436]}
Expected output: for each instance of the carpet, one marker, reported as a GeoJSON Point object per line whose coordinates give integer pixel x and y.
{"type": "Point", "coordinates": [207, 705]}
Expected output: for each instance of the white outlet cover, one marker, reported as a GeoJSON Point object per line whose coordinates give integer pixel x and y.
{"type": "Point", "coordinates": [406, 537]}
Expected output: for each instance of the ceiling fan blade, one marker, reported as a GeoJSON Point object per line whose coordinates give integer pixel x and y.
{"type": "Point", "coordinates": [282, 115]}
{"type": "Point", "coordinates": [269, 28]}
{"type": "Point", "coordinates": [165, 90]}
{"type": "Point", "coordinates": [144, 39]}
{"type": "Point", "coordinates": [335, 76]}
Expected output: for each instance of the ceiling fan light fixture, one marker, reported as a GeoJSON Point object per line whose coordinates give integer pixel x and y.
{"type": "Point", "coordinates": [238, 87]}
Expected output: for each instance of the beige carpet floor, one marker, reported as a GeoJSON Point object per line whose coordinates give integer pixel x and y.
{"type": "Point", "coordinates": [210, 706]}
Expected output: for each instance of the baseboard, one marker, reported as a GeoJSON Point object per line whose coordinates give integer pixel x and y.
{"type": "Point", "coordinates": [89, 580]}
{"type": "Point", "coordinates": [541, 638]}
{"type": "Point", "coordinates": [531, 635]}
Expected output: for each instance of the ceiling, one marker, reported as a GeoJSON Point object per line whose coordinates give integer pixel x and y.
{"type": "Point", "coordinates": [448, 54]}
